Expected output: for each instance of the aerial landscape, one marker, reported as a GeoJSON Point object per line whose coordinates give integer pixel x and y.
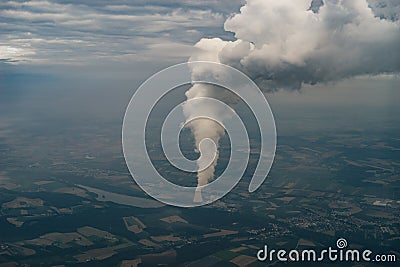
{"type": "Point", "coordinates": [68, 71]}
{"type": "Point", "coordinates": [85, 209]}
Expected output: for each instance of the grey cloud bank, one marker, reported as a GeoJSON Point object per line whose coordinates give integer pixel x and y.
{"type": "Point", "coordinates": [84, 32]}
{"type": "Point", "coordinates": [80, 32]}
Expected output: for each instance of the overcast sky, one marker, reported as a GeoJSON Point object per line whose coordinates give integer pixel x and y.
{"type": "Point", "coordinates": [70, 32]}
{"type": "Point", "coordinates": [111, 45]}
{"type": "Point", "coordinates": [83, 32]}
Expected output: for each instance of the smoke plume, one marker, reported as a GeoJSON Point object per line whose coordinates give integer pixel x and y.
{"type": "Point", "coordinates": [288, 43]}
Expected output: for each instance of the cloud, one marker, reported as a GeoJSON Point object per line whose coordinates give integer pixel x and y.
{"type": "Point", "coordinates": [285, 44]}
{"type": "Point", "coordinates": [288, 43]}
{"type": "Point", "coordinates": [386, 9]}
{"type": "Point", "coordinates": [14, 55]}
{"type": "Point", "coordinates": [77, 32]}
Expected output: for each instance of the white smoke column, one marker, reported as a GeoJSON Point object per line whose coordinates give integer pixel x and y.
{"type": "Point", "coordinates": [204, 128]}
{"type": "Point", "coordinates": [287, 43]}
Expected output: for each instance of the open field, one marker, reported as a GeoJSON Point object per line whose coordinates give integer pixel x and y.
{"type": "Point", "coordinates": [173, 219]}
{"type": "Point", "coordinates": [220, 233]}
{"type": "Point", "coordinates": [133, 224]}
{"type": "Point", "coordinates": [23, 202]}
{"type": "Point", "coordinates": [170, 238]}
{"type": "Point", "coordinates": [243, 260]}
